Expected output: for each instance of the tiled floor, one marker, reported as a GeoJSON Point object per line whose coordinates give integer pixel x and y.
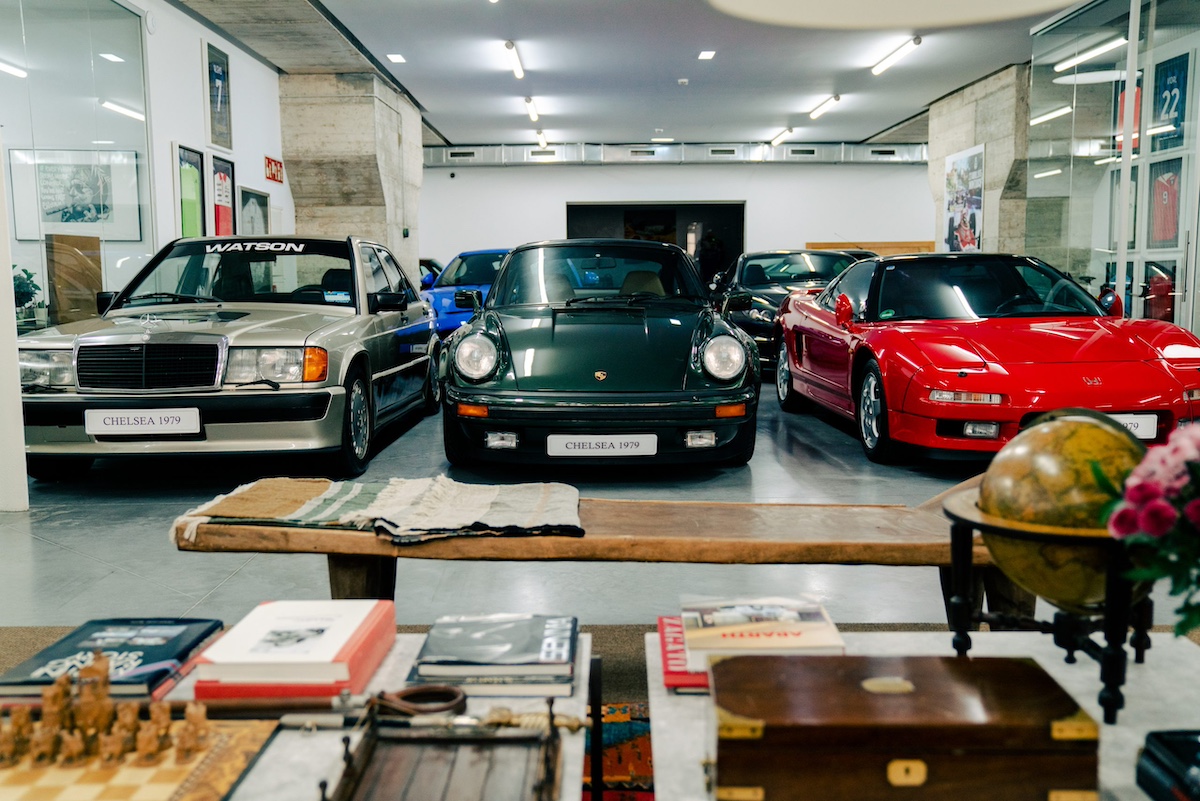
{"type": "Point", "coordinates": [100, 547]}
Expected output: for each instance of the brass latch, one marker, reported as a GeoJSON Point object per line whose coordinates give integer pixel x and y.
{"type": "Point", "coordinates": [907, 773]}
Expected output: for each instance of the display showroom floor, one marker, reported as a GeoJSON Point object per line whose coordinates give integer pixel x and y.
{"type": "Point", "coordinates": [99, 547]}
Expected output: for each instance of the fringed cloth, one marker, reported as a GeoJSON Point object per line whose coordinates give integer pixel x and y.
{"type": "Point", "coordinates": [405, 510]}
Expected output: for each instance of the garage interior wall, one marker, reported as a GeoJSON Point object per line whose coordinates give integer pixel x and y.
{"type": "Point", "coordinates": [786, 206]}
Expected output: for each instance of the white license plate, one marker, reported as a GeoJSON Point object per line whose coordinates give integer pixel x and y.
{"type": "Point", "coordinates": [141, 421]}
{"type": "Point", "coordinates": [601, 444]}
{"type": "Point", "coordinates": [1142, 426]}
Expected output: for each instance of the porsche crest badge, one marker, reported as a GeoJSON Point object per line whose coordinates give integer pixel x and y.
{"type": "Point", "coordinates": [600, 375]}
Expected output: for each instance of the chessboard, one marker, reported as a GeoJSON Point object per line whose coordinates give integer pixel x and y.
{"type": "Point", "coordinates": [207, 776]}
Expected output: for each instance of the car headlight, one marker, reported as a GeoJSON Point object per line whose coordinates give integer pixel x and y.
{"type": "Point", "coordinates": [723, 357]}
{"type": "Point", "coordinates": [949, 396]}
{"type": "Point", "coordinates": [46, 368]}
{"type": "Point", "coordinates": [281, 365]}
{"type": "Point", "coordinates": [476, 357]}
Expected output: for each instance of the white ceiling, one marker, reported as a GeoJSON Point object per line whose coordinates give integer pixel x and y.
{"type": "Point", "coordinates": [610, 71]}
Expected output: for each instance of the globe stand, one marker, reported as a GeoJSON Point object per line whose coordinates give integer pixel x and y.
{"type": "Point", "coordinates": [1071, 631]}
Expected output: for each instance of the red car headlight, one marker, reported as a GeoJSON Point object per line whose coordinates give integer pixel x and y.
{"type": "Point", "coordinates": [981, 398]}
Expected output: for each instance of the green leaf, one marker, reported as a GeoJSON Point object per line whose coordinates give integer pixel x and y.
{"type": "Point", "coordinates": [1102, 481]}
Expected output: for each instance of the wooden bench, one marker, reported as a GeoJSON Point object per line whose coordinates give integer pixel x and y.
{"type": "Point", "coordinates": [363, 564]}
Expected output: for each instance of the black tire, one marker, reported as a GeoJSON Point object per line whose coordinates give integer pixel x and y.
{"type": "Point", "coordinates": [743, 444]}
{"type": "Point", "coordinates": [870, 414]}
{"type": "Point", "coordinates": [431, 392]}
{"type": "Point", "coordinates": [455, 443]}
{"type": "Point", "coordinates": [358, 427]}
{"type": "Point", "coordinates": [57, 468]}
{"type": "Point", "coordinates": [789, 399]}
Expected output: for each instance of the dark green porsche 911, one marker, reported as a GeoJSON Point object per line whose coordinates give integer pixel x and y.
{"type": "Point", "coordinates": [599, 351]}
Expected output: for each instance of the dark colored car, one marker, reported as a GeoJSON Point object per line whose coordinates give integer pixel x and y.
{"type": "Point", "coordinates": [768, 277]}
{"type": "Point", "coordinates": [599, 351]}
{"type": "Point", "coordinates": [474, 269]}
{"type": "Point", "coordinates": [958, 352]}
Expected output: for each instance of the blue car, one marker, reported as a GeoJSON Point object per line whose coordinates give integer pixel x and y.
{"type": "Point", "coordinates": [472, 269]}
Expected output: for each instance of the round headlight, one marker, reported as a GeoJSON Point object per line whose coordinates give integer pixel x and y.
{"type": "Point", "coordinates": [724, 357]}
{"type": "Point", "coordinates": [476, 357]}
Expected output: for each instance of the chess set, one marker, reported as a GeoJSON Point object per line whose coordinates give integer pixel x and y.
{"type": "Point", "coordinates": [85, 746]}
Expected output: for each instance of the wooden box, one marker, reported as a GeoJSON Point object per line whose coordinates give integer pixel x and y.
{"type": "Point", "coordinates": [929, 728]}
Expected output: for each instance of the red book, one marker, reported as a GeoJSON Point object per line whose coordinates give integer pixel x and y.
{"type": "Point", "coordinates": [299, 649]}
{"type": "Point", "coordinates": [676, 675]}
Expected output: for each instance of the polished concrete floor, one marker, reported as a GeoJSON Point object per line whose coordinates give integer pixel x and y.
{"type": "Point", "coordinates": [99, 547]}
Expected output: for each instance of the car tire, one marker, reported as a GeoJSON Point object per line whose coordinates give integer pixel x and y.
{"type": "Point", "coordinates": [743, 444]}
{"type": "Point", "coordinates": [789, 399]}
{"type": "Point", "coordinates": [57, 468]}
{"type": "Point", "coordinates": [358, 426]}
{"type": "Point", "coordinates": [455, 443]}
{"type": "Point", "coordinates": [432, 390]}
{"type": "Point", "coordinates": [871, 416]}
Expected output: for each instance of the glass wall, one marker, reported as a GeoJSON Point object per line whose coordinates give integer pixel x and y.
{"type": "Point", "coordinates": [74, 144]}
{"type": "Point", "coordinates": [1084, 186]}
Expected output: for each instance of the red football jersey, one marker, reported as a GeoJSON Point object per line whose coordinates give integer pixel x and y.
{"type": "Point", "coordinates": [1164, 216]}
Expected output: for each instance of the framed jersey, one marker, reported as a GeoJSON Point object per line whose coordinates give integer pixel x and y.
{"type": "Point", "coordinates": [1165, 180]}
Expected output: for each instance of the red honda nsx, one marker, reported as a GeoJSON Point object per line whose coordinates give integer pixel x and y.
{"type": "Point", "coordinates": [957, 352]}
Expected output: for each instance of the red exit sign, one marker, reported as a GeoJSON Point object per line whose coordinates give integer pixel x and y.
{"type": "Point", "coordinates": [274, 170]}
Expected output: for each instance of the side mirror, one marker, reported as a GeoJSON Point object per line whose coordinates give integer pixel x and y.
{"type": "Point", "coordinates": [843, 311]}
{"type": "Point", "coordinates": [1110, 301]}
{"type": "Point", "coordinates": [468, 299]}
{"type": "Point", "coordinates": [739, 301]}
{"type": "Point", "coordinates": [104, 300]}
{"type": "Point", "coordinates": [427, 280]}
{"type": "Point", "coordinates": [387, 301]}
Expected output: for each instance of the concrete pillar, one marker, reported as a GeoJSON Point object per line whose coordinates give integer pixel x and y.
{"type": "Point", "coordinates": [993, 112]}
{"type": "Point", "coordinates": [14, 486]}
{"type": "Point", "coordinates": [352, 150]}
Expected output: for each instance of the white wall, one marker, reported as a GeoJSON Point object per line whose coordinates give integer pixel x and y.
{"type": "Point", "coordinates": [787, 205]}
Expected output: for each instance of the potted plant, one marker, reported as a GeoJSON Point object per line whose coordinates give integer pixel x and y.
{"type": "Point", "coordinates": [25, 288]}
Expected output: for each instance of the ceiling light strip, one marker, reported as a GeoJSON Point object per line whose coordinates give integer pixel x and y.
{"type": "Point", "coordinates": [779, 137]}
{"type": "Point", "coordinates": [128, 112]}
{"type": "Point", "coordinates": [1050, 115]}
{"type": "Point", "coordinates": [1087, 55]}
{"type": "Point", "coordinates": [1048, 173]}
{"type": "Point", "coordinates": [531, 109]}
{"type": "Point", "coordinates": [541, 139]}
{"type": "Point", "coordinates": [11, 70]}
{"type": "Point", "coordinates": [824, 106]}
{"type": "Point", "coordinates": [514, 59]}
{"type": "Point", "coordinates": [899, 53]}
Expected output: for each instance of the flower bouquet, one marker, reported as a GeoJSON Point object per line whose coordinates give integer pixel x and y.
{"type": "Point", "coordinates": [1158, 517]}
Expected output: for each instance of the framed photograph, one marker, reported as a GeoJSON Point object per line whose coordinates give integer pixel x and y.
{"type": "Point", "coordinates": [254, 211]}
{"type": "Point", "coordinates": [963, 201]}
{"type": "Point", "coordinates": [220, 123]}
{"type": "Point", "coordinates": [189, 190]}
{"type": "Point", "coordinates": [1165, 180]}
{"type": "Point", "coordinates": [223, 213]}
{"type": "Point", "coordinates": [1170, 101]}
{"type": "Point", "coordinates": [79, 192]}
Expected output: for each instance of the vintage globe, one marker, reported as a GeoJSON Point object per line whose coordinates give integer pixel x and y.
{"type": "Point", "coordinates": [1042, 489]}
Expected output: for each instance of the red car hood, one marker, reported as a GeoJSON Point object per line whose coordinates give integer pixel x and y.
{"type": "Point", "coordinates": [1088, 340]}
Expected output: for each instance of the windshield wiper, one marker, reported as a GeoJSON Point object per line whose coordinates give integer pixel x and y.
{"type": "Point", "coordinates": [171, 296]}
{"type": "Point", "coordinates": [267, 381]}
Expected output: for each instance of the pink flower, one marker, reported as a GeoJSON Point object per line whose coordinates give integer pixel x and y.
{"type": "Point", "coordinates": [1192, 512]}
{"type": "Point", "coordinates": [1142, 492]}
{"type": "Point", "coordinates": [1157, 517]}
{"type": "Point", "coordinates": [1123, 522]}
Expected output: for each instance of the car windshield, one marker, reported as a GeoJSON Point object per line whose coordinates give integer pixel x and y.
{"type": "Point", "coordinates": [977, 288]}
{"type": "Point", "coordinates": [475, 269]}
{"type": "Point", "coordinates": [766, 269]}
{"type": "Point", "coordinates": [580, 274]}
{"type": "Point", "coordinates": [291, 271]}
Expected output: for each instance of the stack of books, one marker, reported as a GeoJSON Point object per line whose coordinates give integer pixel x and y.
{"type": "Point", "coordinates": [711, 628]}
{"type": "Point", "coordinates": [500, 654]}
{"type": "Point", "coordinates": [298, 649]}
{"type": "Point", "coordinates": [147, 657]}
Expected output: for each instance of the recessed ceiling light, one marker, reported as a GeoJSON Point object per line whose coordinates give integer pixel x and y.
{"type": "Point", "coordinates": [1050, 115]}
{"type": "Point", "coordinates": [706, 55]}
{"type": "Point", "coordinates": [779, 137]}
{"type": "Point", "coordinates": [395, 58]}
{"type": "Point", "coordinates": [1087, 55]}
{"type": "Point", "coordinates": [11, 70]}
{"type": "Point", "coordinates": [128, 112]}
{"type": "Point", "coordinates": [662, 139]}
{"type": "Point", "coordinates": [112, 57]}
{"type": "Point", "coordinates": [103, 142]}
{"type": "Point", "coordinates": [824, 106]}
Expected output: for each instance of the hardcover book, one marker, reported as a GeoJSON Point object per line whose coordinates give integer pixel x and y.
{"type": "Point", "coordinates": [288, 648]}
{"type": "Point", "coordinates": [756, 625]}
{"type": "Point", "coordinates": [144, 654]}
{"type": "Point", "coordinates": [1168, 768]}
{"type": "Point", "coordinates": [499, 645]}
{"type": "Point", "coordinates": [536, 685]}
{"type": "Point", "coordinates": [676, 676]}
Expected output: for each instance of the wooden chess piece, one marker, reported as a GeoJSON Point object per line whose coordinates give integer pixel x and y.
{"type": "Point", "coordinates": [22, 728]}
{"type": "Point", "coordinates": [127, 715]}
{"type": "Point", "coordinates": [43, 745]}
{"type": "Point", "coordinates": [112, 747]}
{"type": "Point", "coordinates": [148, 744]}
{"type": "Point", "coordinates": [71, 750]}
{"type": "Point", "coordinates": [160, 717]}
{"type": "Point", "coordinates": [8, 747]}
{"type": "Point", "coordinates": [96, 672]}
{"type": "Point", "coordinates": [196, 714]}
{"type": "Point", "coordinates": [187, 743]}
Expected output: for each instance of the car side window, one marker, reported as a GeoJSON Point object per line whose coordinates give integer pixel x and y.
{"type": "Point", "coordinates": [377, 280]}
{"type": "Point", "coordinates": [855, 283]}
{"type": "Point", "coordinates": [396, 276]}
